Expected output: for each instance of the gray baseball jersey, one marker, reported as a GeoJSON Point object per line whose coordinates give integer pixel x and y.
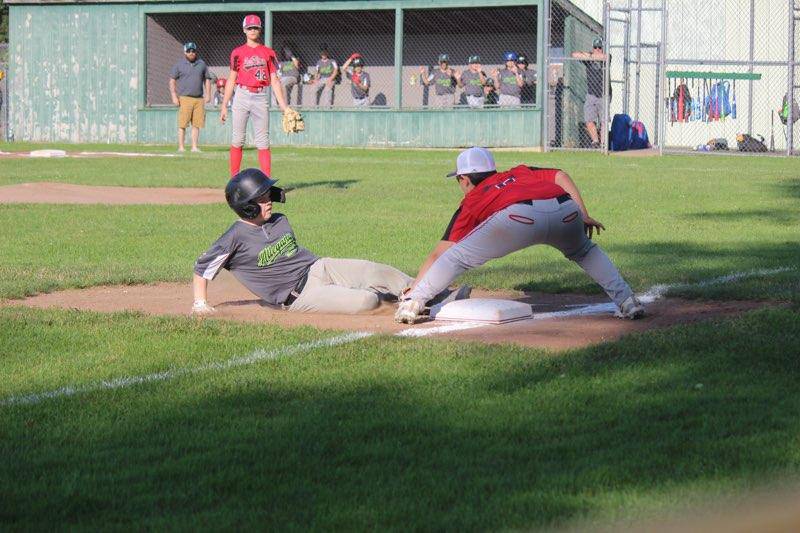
{"type": "Point", "coordinates": [528, 93]}
{"type": "Point", "coordinates": [358, 79]}
{"type": "Point", "coordinates": [288, 69]}
{"type": "Point", "coordinates": [266, 259]}
{"type": "Point", "coordinates": [325, 68]}
{"type": "Point", "coordinates": [444, 82]}
{"type": "Point", "coordinates": [508, 83]}
{"type": "Point", "coordinates": [191, 77]}
{"type": "Point", "coordinates": [472, 83]}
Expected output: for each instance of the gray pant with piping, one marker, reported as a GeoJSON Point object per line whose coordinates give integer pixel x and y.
{"type": "Point", "coordinates": [519, 226]}
{"type": "Point", "coordinates": [254, 106]}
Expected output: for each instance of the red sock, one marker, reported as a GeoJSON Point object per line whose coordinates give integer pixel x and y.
{"type": "Point", "coordinates": [236, 159]}
{"type": "Point", "coordinates": [265, 161]}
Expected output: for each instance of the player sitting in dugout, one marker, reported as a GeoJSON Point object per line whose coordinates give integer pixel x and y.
{"type": "Point", "coordinates": [261, 251]}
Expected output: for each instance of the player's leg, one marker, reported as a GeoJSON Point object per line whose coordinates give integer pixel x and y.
{"type": "Point", "coordinates": [241, 113]}
{"type": "Point", "coordinates": [259, 113]}
{"type": "Point", "coordinates": [591, 116]}
{"type": "Point", "coordinates": [567, 234]}
{"type": "Point", "coordinates": [361, 274]}
{"type": "Point", "coordinates": [335, 299]}
{"type": "Point", "coordinates": [198, 121]}
{"type": "Point", "coordinates": [504, 232]}
{"type": "Point", "coordinates": [184, 118]}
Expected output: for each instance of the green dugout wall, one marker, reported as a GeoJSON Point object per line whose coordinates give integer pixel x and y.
{"type": "Point", "coordinates": [78, 74]}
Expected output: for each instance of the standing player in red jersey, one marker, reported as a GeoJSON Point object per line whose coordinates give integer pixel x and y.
{"type": "Point", "coordinates": [254, 70]}
{"type": "Point", "coordinates": [503, 212]}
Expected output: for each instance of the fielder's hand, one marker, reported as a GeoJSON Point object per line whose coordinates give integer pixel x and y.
{"type": "Point", "coordinates": [591, 225]}
{"type": "Point", "coordinates": [292, 121]}
{"type": "Point", "coordinates": [223, 114]}
{"type": "Point", "coordinates": [200, 308]}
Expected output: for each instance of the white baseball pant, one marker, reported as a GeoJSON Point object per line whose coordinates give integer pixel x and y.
{"type": "Point", "coordinates": [254, 106]}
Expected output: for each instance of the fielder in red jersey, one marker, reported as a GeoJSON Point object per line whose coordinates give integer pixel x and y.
{"type": "Point", "coordinates": [253, 71]}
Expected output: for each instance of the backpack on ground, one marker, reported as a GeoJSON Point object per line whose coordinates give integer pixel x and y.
{"type": "Point", "coordinates": [749, 143]}
{"type": "Point", "coordinates": [627, 134]}
{"type": "Point", "coordinates": [718, 102]}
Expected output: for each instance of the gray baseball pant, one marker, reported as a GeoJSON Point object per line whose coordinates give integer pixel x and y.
{"type": "Point", "coordinates": [289, 83]}
{"type": "Point", "coordinates": [475, 101]}
{"type": "Point", "coordinates": [509, 100]}
{"type": "Point", "coordinates": [254, 106]}
{"type": "Point", "coordinates": [348, 286]}
{"type": "Point", "coordinates": [519, 226]}
{"type": "Point", "coordinates": [325, 94]}
{"type": "Point", "coordinates": [443, 100]}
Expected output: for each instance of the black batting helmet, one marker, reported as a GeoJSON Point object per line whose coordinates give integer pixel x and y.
{"type": "Point", "coordinates": [245, 187]}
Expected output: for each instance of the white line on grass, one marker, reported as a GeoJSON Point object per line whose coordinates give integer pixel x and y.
{"type": "Point", "coordinates": [654, 293]}
{"type": "Point", "coordinates": [119, 383]}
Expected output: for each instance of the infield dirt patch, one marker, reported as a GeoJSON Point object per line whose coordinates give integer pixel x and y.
{"type": "Point", "coordinates": [234, 302]}
{"type": "Point", "coordinates": [67, 193]}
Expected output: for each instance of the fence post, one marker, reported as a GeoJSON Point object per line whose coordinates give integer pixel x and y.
{"type": "Point", "coordinates": [790, 82]}
{"type": "Point", "coordinates": [268, 27]}
{"type": "Point", "coordinates": [606, 76]}
{"type": "Point", "coordinates": [398, 57]}
{"type": "Point", "coordinates": [543, 64]}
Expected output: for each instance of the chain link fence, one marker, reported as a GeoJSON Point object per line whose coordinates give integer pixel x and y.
{"type": "Point", "coordinates": [451, 58]}
{"type": "Point", "coordinates": [728, 72]}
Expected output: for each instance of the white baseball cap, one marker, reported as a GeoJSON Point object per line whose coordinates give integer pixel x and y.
{"type": "Point", "coordinates": [472, 160]}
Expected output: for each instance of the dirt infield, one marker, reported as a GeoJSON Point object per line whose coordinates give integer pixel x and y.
{"type": "Point", "coordinates": [234, 302]}
{"type": "Point", "coordinates": [67, 193]}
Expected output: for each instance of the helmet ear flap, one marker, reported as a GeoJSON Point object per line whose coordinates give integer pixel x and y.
{"type": "Point", "coordinates": [251, 210]}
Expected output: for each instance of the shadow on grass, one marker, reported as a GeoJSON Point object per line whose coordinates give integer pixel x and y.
{"type": "Point", "coordinates": [776, 216]}
{"type": "Point", "coordinates": [421, 436]}
{"type": "Point", "coordinates": [328, 184]}
{"type": "Point", "coordinates": [651, 263]}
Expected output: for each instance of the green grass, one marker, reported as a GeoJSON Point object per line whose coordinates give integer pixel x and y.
{"type": "Point", "coordinates": [386, 433]}
{"type": "Point", "coordinates": [676, 219]}
{"type": "Point", "coordinates": [390, 433]}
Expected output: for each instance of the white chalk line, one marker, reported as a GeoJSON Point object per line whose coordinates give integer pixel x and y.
{"type": "Point", "coordinates": [119, 383]}
{"type": "Point", "coordinates": [654, 293]}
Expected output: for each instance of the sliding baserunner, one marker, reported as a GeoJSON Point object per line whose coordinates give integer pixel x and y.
{"type": "Point", "coordinates": [503, 212]}
{"type": "Point", "coordinates": [261, 251]}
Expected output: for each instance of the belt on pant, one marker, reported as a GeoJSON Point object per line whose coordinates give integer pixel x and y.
{"type": "Point", "coordinates": [560, 199]}
{"type": "Point", "coordinates": [254, 89]}
{"type": "Point", "coordinates": [296, 291]}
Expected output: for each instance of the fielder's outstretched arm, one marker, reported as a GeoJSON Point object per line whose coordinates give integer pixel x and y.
{"type": "Point", "coordinates": [440, 248]}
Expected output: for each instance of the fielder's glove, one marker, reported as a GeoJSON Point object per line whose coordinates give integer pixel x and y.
{"type": "Point", "coordinates": [409, 311]}
{"type": "Point", "coordinates": [200, 308]}
{"type": "Point", "coordinates": [292, 121]}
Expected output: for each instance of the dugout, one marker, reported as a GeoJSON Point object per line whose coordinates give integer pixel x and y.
{"type": "Point", "coordinates": [98, 72]}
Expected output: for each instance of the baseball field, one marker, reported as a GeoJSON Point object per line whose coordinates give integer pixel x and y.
{"type": "Point", "coordinates": [118, 416]}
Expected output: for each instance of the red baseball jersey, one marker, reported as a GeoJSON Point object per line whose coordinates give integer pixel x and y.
{"type": "Point", "coordinates": [254, 66]}
{"type": "Point", "coordinates": [497, 192]}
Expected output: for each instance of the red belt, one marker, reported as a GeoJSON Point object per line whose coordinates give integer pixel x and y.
{"type": "Point", "coordinates": [254, 89]}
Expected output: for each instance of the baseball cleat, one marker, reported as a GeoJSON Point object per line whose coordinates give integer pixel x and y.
{"type": "Point", "coordinates": [409, 311]}
{"type": "Point", "coordinates": [446, 296]}
{"type": "Point", "coordinates": [631, 309]}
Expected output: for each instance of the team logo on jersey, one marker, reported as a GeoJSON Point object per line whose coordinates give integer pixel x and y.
{"type": "Point", "coordinates": [285, 246]}
{"type": "Point", "coordinates": [254, 62]}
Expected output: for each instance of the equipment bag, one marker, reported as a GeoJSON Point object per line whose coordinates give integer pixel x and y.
{"type": "Point", "coordinates": [627, 134]}
{"type": "Point", "coordinates": [784, 114]}
{"type": "Point", "coordinates": [718, 102]}
{"type": "Point", "coordinates": [682, 101]}
{"type": "Point", "coordinates": [638, 136]}
{"type": "Point", "coordinates": [748, 143]}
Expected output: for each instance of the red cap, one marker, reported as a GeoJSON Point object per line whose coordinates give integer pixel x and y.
{"type": "Point", "coordinates": [221, 82]}
{"type": "Point", "coordinates": [251, 21]}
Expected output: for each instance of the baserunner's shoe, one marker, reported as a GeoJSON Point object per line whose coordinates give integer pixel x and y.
{"type": "Point", "coordinates": [409, 311]}
{"type": "Point", "coordinates": [461, 292]}
{"type": "Point", "coordinates": [631, 309]}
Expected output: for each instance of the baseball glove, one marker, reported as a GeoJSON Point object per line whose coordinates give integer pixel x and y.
{"type": "Point", "coordinates": [293, 121]}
